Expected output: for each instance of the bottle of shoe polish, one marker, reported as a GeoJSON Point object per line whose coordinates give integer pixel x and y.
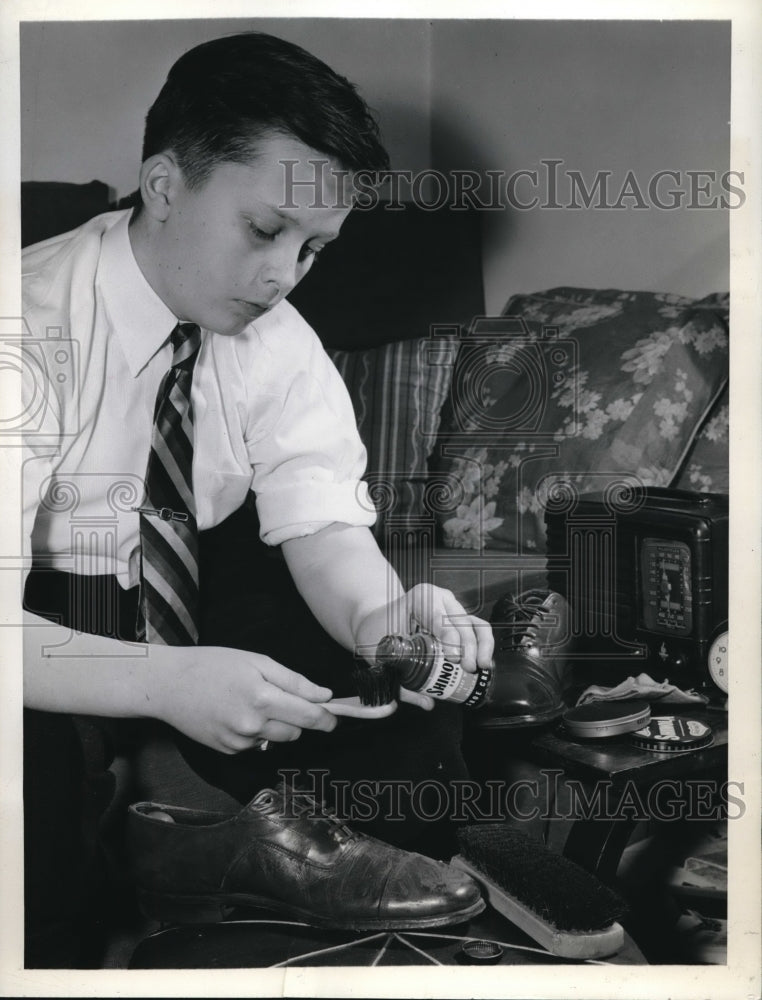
{"type": "Point", "coordinates": [420, 663]}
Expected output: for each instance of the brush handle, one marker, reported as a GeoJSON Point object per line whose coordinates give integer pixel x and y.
{"type": "Point", "coordinates": [352, 708]}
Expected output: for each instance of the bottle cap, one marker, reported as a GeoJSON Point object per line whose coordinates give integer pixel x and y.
{"type": "Point", "coordinates": [481, 952]}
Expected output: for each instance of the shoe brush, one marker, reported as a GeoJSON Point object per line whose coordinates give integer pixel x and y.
{"type": "Point", "coordinates": [563, 907]}
{"type": "Point", "coordinates": [377, 683]}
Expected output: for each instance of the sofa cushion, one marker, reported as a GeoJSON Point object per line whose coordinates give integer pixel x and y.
{"type": "Point", "coordinates": [574, 391]}
{"type": "Point", "coordinates": [398, 391]}
{"type": "Point", "coordinates": [705, 469]}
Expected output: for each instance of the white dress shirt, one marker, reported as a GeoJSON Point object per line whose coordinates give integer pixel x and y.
{"type": "Point", "coordinates": [271, 412]}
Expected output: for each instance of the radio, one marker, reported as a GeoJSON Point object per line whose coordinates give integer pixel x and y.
{"type": "Point", "coordinates": [645, 572]}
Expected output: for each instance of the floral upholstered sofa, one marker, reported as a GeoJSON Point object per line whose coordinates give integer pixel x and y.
{"type": "Point", "coordinates": [576, 388]}
{"type": "Point", "coordinates": [473, 433]}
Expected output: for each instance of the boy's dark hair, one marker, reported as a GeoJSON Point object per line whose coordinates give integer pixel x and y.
{"type": "Point", "coordinates": [223, 95]}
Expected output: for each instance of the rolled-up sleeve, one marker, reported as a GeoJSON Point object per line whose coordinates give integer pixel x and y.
{"type": "Point", "coordinates": [307, 468]}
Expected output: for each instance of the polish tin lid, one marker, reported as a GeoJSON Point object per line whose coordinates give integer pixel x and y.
{"type": "Point", "coordinates": [599, 719]}
{"type": "Point", "coordinates": [673, 734]}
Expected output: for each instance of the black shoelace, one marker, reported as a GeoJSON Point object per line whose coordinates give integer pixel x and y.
{"type": "Point", "coordinates": [517, 623]}
{"type": "Point", "coordinates": [301, 803]}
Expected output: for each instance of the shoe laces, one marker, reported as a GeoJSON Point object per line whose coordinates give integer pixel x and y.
{"type": "Point", "coordinates": [303, 804]}
{"type": "Point", "coordinates": [519, 620]}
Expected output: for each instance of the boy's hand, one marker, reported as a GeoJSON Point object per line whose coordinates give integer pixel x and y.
{"type": "Point", "coordinates": [466, 639]}
{"type": "Point", "coordinates": [229, 698]}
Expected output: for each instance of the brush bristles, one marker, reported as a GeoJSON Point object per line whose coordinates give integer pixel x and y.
{"type": "Point", "coordinates": [557, 890]}
{"type": "Point", "coordinates": [376, 684]}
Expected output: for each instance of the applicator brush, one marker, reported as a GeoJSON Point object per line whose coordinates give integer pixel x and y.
{"type": "Point", "coordinates": [561, 906]}
{"type": "Point", "coordinates": [377, 683]}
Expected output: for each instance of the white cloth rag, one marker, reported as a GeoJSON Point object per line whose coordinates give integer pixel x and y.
{"type": "Point", "coordinates": [642, 687]}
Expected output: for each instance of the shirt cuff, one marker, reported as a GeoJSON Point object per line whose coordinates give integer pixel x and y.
{"type": "Point", "coordinates": [288, 513]}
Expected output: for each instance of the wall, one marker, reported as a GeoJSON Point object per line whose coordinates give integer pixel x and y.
{"type": "Point", "coordinates": [86, 86]}
{"type": "Point", "coordinates": [615, 96]}
{"type": "Point", "coordinates": [474, 95]}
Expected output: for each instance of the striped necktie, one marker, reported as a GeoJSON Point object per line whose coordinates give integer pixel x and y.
{"type": "Point", "coordinates": [168, 612]}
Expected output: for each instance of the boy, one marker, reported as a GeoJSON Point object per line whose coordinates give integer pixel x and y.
{"type": "Point", "coordinates": [200, 385]}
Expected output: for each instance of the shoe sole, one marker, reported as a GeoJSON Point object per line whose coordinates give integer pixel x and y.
{"type": "Point", "coordinates": [173, 909]}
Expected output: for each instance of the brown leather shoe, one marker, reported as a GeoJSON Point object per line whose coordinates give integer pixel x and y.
{"type": "Point", "coordinates": [532, 669]}
{"type": "Point", "coordinates": [283, 853]}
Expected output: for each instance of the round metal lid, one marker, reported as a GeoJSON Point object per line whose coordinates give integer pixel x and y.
{"type": "Point", "coordinates": [673, 734]}
{"type": "Point", "coordinates": [600, 719]}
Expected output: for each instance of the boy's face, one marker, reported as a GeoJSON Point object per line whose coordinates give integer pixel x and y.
{"type": "Point", "coordinates": [229, 250]}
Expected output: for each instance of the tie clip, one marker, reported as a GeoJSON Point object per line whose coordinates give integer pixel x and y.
{"type": "Point", "coordinates": [163, 513]}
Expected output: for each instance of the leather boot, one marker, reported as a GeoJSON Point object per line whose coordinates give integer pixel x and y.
{"type": "Point", "coordinates": [532, 671]}
{"type": "Point", "coordinates": [284, 853]}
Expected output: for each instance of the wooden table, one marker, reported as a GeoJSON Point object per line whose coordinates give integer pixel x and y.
{"type": "Point", "coordinates": [627, 778]}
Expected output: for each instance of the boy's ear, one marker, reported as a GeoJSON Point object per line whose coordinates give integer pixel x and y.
{"type": "Point", "coordinates": [159, 180]}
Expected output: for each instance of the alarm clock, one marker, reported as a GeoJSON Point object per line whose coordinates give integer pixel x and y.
{"type": "Point", "coordinates": [645, 573]}
{"type": "Point", "coordinates": [717, 661]}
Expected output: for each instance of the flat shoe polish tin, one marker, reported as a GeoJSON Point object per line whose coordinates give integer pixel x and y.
{"type": "Point", "coordinates": [601, 719]}
{"type": "Point", "coordinates": [672, 734]}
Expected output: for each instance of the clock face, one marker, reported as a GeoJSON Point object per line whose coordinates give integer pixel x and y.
{"type": "Point", "coordinates": [718, 661]}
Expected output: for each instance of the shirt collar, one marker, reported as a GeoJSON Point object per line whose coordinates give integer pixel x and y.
{"type": "Point", "coordinates": [140, 319]}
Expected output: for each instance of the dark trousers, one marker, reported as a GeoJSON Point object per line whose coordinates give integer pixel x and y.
{"type": "Point", "coordinates": [249, 602]}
